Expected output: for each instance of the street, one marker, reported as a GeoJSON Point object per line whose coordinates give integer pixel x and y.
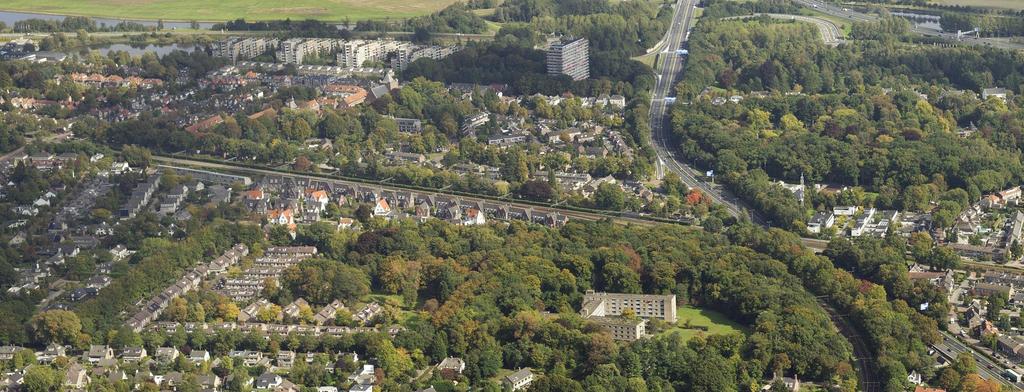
{"type": "Point", "coordinates": [950, 347]}
{"type": "Point", "coordinates": [667, 75]}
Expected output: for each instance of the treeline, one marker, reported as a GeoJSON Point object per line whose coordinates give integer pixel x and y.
{"type": "Point", "coordinates": [71, 24]}
{"type": "Point", "coordinates": [303, 28]}
{"type": "Point", "coordinates": [619, 29]}
{"type": "Point", "coordinates": [791, 57]}
{"type": "Point", "coordinates": [456, 18]}
{"type": "Point", "coordinates": [897, 145]}
{"type": "Point", "coordinates": [715, 9]}
{"type": "Point", "coordinates": [990, 25]}
{"type": "Point", "coordinates": [523, 69]}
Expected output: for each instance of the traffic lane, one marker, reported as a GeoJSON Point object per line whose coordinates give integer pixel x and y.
{"type": "Point", "coordinates": [986, 367]}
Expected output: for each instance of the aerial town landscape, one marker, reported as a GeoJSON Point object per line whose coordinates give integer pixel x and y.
{"type": "Point", "coordinates": [512, 195]}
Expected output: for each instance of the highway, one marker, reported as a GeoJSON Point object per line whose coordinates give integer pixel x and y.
{"type": "Point", "coordinates": [854, 16]}
{"type": "Point", "coordinates": [950, 347]}
{"type": "Point", "coordinates": [667, 74]}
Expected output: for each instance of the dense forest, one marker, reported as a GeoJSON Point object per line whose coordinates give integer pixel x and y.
{"type": "Point", "coordinates": [878, 113]}
{"type": "Point", "coordinates": [478, 293]}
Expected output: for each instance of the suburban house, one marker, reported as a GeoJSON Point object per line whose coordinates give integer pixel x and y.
{"type": "Point", "coordinates": [97, 353]}
{"type": "Point", "coordinates": [382, 208]}
{"type": "Point", "coordinates": [451, 367]}
{"type": "Point", "coordinates": [520, 380]}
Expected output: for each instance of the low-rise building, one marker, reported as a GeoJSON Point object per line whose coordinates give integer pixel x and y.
{"type": "Point", "coordinates": [621, 328]}
{"type": "Point", "coordinates": [820, 221]}
{"type": "Point", "coordinates": [97, 353]}
{"type": "Point", "coordinates": [519, 380]}
{"type": "Point", "coordinates": [1011, 346]}
{"type": "Point", "coordinates": [133, 354]}
{"type": "Point", "coordinates": [451, 367]}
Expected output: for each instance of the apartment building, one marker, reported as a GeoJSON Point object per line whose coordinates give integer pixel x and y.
{"type": "Point", "coordinates": [244, 48]}
{"type": "Point", "coordinates": [295, 50]}
{"type": "Point", "coordinates": [355, 53]}
{"type": "Point", "coordinates": [407, 54]}
{"type": "Point", "coordinates": [569, 57]}
{"type": "Point", "coordinates": [599, 304]}
{"type": "Point", "coordinates": [622, 328]}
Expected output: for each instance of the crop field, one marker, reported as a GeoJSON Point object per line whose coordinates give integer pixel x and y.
{"type": "Point", "coordinates": [222, 10]}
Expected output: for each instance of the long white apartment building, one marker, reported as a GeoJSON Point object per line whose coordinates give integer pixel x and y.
{"type": "Point", "coordinates": [353, 54]}
{"type": "Point", "coordinates": [600, 304]}
{"type": "Point", "coordinates": [295, 50]}
{"type": "Point", "coordinates": [407, 55]}
{"type": "Point", "coordinates": [244, 48]}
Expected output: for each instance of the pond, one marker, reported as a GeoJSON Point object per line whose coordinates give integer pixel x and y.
{"type": "Point", "coordinates": [922, 20]}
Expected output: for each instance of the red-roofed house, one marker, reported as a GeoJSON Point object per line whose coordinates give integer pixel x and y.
{"type": "Point", "coordinates": [281, 217]}
{"type": "Point", "coordinates": [205, 124]}
{"type": "Point", "coordinates": [474, 217]}
{"type": "Point", "coordinates": [316, 199]}
{"type": "Point", "coordinates": [382, 208]}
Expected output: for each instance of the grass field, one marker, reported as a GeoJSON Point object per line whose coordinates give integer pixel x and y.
{"type": "Point", "coordinates": [221, 10]}
{"type": "Point", "coordinates": [1011, 4]}
{"type": "Point", "coordinates": [716, 323]}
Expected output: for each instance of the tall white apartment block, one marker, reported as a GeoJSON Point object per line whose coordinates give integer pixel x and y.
{"type": "Point", "coordinates": [569, 57]}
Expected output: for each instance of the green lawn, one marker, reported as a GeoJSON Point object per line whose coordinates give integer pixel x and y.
{"type": "Point", "coordinates": [221, 10]}
{"type": "Point", "coordinates": [716, 323]}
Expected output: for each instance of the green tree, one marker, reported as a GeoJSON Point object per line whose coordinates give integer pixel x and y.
{"type": "Point", "coordinates": [41, 378]}
{"type": "Point", "coordinates": [57, 326]}
{"type": "Point", "coordinates": [610, 196]}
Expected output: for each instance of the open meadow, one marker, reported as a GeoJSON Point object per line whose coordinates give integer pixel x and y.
{"type": "Point", "coordinates": [222, 10]}
{"type": "Point", "coordinates": [692, 322]}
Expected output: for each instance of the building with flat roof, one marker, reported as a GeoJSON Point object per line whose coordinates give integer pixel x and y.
{"type": "Point", "coordinates": [621, 328]}
{"type": "Point", "coordinates": [238, 48]}
{"type": "Point", "coordinates": [599, 304]}
{"type": "Point", "coordinates": [569, 57]}
{"type": "Point", "coordinates": [519, 380]}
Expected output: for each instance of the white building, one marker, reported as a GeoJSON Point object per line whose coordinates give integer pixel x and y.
{"type": "Point", "coordinates": [599, 304]}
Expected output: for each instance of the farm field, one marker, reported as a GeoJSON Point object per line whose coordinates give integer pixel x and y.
{"type": "Point", "coordinates": [715, 322]}
{"type": "Point", "coordinates": [222, 10]}
{"type": "Point", "coordinates": [1010, 4]}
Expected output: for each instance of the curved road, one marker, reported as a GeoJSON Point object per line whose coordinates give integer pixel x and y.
{"type": "Point", "coordinates": [830, 33]}
{"type": "Point", "coordinates": [854, 16]}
